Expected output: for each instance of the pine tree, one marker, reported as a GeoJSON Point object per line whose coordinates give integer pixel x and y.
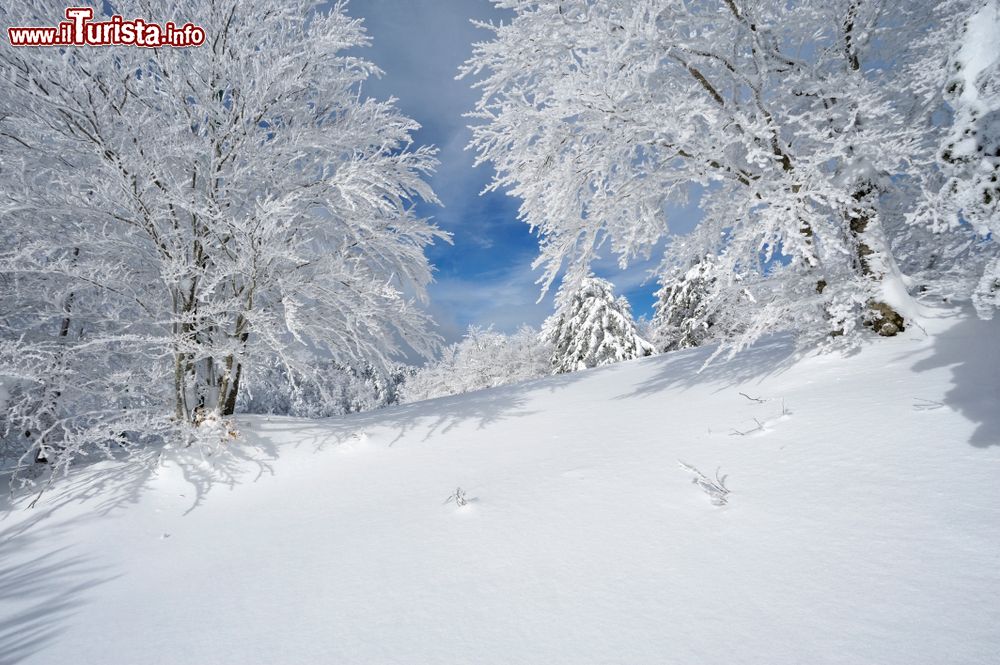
{"type": "Point", "coordinates": [592, 327]}
{"type": "Point", "coordinates": [684, 315]}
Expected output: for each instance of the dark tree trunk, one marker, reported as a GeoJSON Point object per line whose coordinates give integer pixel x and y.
{"type": "Point", "coordinates": [229, 407]}
{"type": "Point", "coordinates": [881, 317]}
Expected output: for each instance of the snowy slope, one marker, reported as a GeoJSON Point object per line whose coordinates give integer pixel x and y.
{"type": "Point", "coordinates": [862, 525]}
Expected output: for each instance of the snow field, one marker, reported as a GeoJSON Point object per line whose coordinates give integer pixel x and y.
{"type": "Point", "coordinates": [860, 528]}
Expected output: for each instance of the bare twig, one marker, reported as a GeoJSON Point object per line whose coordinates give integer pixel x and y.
{"type": "Point", "coordinates": [754, 399]}
{"type": "Point", "coordinates": [458, 496]}
{"type": "Point", "coordinates": [758, 428]}
{"type": "Point", "coordinates": [716, 489]}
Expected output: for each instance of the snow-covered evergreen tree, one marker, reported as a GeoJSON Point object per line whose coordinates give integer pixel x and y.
{"type": "Point", "coordinates": [684, 313]}
{"type": "Point", "coordinates": [591, 328]}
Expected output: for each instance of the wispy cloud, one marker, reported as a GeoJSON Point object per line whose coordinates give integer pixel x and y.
{"type": "Point", "coordinates": [505, 298]}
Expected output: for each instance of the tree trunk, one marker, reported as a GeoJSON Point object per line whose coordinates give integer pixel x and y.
{"type": "Point", "coordinates": [51, 400]}
{"type": "Point", "coordinates": [229, 407]}
{"type": "Point", "coordinates": [180, 401]}
{"type": "Point", "coordinates": [872, 261]}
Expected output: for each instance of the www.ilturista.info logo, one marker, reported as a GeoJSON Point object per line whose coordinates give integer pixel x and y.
{"type": "Point", "coordinates": [80, 30]}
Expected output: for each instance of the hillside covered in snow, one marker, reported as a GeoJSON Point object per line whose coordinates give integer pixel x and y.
{"type": "Point", "coordinates": [552, 522]}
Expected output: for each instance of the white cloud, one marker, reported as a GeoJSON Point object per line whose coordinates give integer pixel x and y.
{"type": "Point", "coordinates": [504, 298]}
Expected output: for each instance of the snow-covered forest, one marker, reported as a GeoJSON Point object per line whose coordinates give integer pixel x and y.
{"type": "Point", "coordinates": [215, 257]}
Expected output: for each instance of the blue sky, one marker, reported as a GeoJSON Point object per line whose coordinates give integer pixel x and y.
{"type": "Point", "coordinates": [485, 277]}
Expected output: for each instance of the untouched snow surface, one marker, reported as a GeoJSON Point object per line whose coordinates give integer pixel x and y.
{"type": "Point", "coordinates": [863, 525]}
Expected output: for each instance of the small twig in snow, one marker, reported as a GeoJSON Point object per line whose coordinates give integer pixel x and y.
{"type": "Point", "coordinates": [458, 496]}
{"type": "Point", "coordinates": [715, 489]}
{"type": "Point", "coordinates": [758, 428]}
{"type": "Point", "coordinates": [754, 399]}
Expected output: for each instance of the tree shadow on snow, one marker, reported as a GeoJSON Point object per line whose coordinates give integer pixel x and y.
{"type": "Point", "coordinates": [106, 485]}
{"type": "Point", "coordinates": [39, 594]}
{"type": "Point", "coordinates": [971, 349]}
{"type": "Point", "coordinates": [226, 464]}
{"type": "Point", "coordinates": [41, 591]}
{"type": "Point", "coordinates": [434, 417]}
{"type": "Point", "coordinates": [685, 369]}
{"type": "Point", "coordinates": [103, 484]}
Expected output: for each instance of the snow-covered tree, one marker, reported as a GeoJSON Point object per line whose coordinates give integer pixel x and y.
{"type": "Point", "coordinates": [386, 385]}
{"type": "Point", "coordinates": [591, 328]}
{"type": "Point", "coordinates": [172, 216]}
{"type": "Point", "coordinates": [322, 389]}
{"type": "Point", "coordinates": [484, 358]}
{"type": "Point", "coordinates": [684, 310]}
{"type": "Point", "coordinates": [961, 68]}
{"type": "Point", "coordinates": [787, 116]}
